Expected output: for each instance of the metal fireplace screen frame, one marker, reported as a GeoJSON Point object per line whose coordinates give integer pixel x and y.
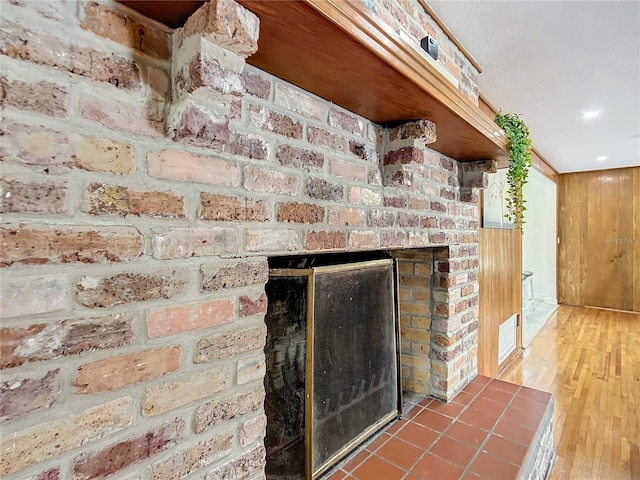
{"type": "Point", "coordinates": [333, 427]}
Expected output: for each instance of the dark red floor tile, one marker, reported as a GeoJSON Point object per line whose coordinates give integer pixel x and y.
{"type": "Point", "coordinates": [506, 449]}
{"type": "Point", "coordinates": [487, 406]}
{"type": "Point", "coordinates": [471, 476]}
{"type": "Point", "coordinates": [339, 475]}
{"type": "Point", "coordinates": [378, 442]}
{"type": "Point", "coordinates": [432, 467]}
{"type": "Point", "coordinates": [478, 419]}
{"type": "Point", "coordinates": [412, 413]}
{"type": "Point", "coordinates": [515, 432]}
{"type": "Point", "coordinates": [450, 409]}
{"type": "Point", "coordinates": [355, 462]}
{"type": "Point", "coordinates": [464, 398]}
{"type": "Point", "coordinates": [535, 394]}
{"type": "Point", "coordinates": [395, 426]}
{"type": "Point", "coordinates": [425, 402]}
{"type": "Point", "coordinates": [454, 451]}
{"type": "Point", "coordinates": [417, 435]}
{"type": "Point", "coordinates": [473, 388]}
{"type": "Point", "coordinates": [375, 468]}
{"type": "Point", "coordinates": [523, 417]}
{"type": "Point", "coordinates": [481, 380]}
{"type": "Point", "coordinates": [529, 404]}
{"type": "Point", "coordinates": [506, 386]}
{"type": "Point", "coordinates": [488, 466]}
{"type": "Point", "coordinates": [496, 395]}
{"type": "Point", "coordinates": [467, 434]}
{"type": "Point", "coordinates": [400, 453]}
{"type": "Point", "coordinates": [433, 420]}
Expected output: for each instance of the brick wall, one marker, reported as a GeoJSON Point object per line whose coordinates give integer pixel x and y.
{"type": "Point", "coordinates": [409, 17]}
{"type": "Point", "coordinates": [146, 177]}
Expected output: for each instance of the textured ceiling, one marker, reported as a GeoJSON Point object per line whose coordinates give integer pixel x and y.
{"type": "Point", "coordinates": [551, 61]}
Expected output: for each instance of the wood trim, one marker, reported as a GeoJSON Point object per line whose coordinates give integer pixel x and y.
{"type": "Point", "coordinates": [450, 34]}
{"type": "Point", "coordinates": [538, 160]}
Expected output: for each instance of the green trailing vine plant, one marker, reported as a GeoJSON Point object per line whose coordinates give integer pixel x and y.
{"type": "Point", "coordinates": [518, 173]}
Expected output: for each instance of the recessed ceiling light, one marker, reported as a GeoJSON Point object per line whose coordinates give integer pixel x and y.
{"type": "Point", "coordinates": [601, 158]}
{"type": "Point", "coordinates": [591, 114]}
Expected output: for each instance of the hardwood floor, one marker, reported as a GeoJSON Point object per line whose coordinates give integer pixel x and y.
{"type": "Point", "coordinates": [590, 360]}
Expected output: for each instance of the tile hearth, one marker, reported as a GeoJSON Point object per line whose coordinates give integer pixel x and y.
{"type": "Point", "coordinates": [490, 430]}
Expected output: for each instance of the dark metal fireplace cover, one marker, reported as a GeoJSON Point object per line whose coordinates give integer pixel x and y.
{"type": "Point", "coordinates": [332, 363]}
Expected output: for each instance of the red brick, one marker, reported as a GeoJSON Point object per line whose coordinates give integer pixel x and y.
{"type": "Point", "coordinates": [246, 466]}
{"type": "Point", "coordinates": [116, 457]}
{"type": "Point", "coordinates": [346, 216]}
{"type": "Point", "coordinates": [346, 169]}
{"type": "Point", "coordinates": [251, 369]}
{"type": "Point", "coordinates": [418, 203]}
{"type": "Point", "coordinates": [365, 152]}
{"type": "Point", "coordinates": [269, 181]}
{"type": "Point", "coordinates": [125, 114]}
{"type": "Point", "coordinates": [233, 276]}
{"type": "Point", "coordinates": [380, 218]}
{"type": "Point", "coordinates": [194, 242]}
{"type": "Point", "coordinates": [393, 239]}
{"type": "Point", "coordinates": [325, 240]}
{"type": "Point", "coordinates": [32, 295]}
{"type": "Point", "coordinates": [226, 24]}
{"type": "Point", "coordinates": [51, 474]}
{"type": "Point", "coordinates": [232, 209]}
{"type": "Point", "coordinates": [24, 395]}
{"type": "Point", "coordinates": [231, 344]}
{"type": "Point", "coordinates": [126, 30]}
{"type": "Point", "coordinates": [22, 345]}
{"type": "Point", "coordinates": [323, 138]}
{"type": "Point", "coordinates": [35, 145]}
{"type": "Point", "coordinates": [183, 318]}
{"type": "Point", "coordinates": [300, 212]}
{"type": "Point", "coordinates": [183, 167]}
{"type": "Point", "coordinates": [347, 122]}
{"type": "Point", "coordinates": [205, 72]}
{"type": "Point", "coordinates": [200, 127]}
{"type": "Point", "coordinates": [256, 84]}
{"type": "Point", "coordinates": [216, 411]}
{"type": "Point", "coordinates": [272, 240]}
{"type": "Point", "coordinates": [40, 48]}
{"type": "Point", "coordinates": [396, 202]}
{"type": "Point", "coordinates": [113, 199]}
{"type": "Point", "coordinates": [167, 396]}
{"type": "Point", "coordinates": [363, 239]}
{"type": "Point", "coordinates": [249, 146]}
{"type": "Point", "coordinates": [187, 461]}
{"type": "Point", "coordinates": [42, 97]}
{"type": "Point", "coordinates": [32, 196]}
{"type": "Point", "coordinates": [249, 306]}
{"type": "Point", "coordinates": [320, 189]}
{"type": "Point", "coordinates": [299, 101]}
{"type": "Point", "coordinates": [408, 219]}
{"type": "Point", "coordinates": [35, 444]}
{"type": "Point", "coordinates": [405, 155]}
{"type": "Point", "coordinates": [129, 287]}
{"type": "Point", "coordinates": [422, 130]}
{"type": "Point", "coordinates": [102, 155]}
{"type": "Point", "coordinates": [290, 156]}
{"type": "Point", "coordinates": [275, 122]}
{"type": "Point", "coordinates": [37, 244]}
{"type": "Point", "coordinates": [117, 372]}
{"type": "Point", "coordinates": [253, 430]}
{"type": "Point", "coordinates": [365, 196]}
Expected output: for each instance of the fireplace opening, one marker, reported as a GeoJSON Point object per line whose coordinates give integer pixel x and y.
{"type": "Point", "coordinates": [332, 354]}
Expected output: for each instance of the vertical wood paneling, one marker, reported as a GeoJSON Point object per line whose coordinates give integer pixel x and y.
{"type": "Point", "coordinates": [500, 279]}
{"type": "Point", "coordinates": [599, 229]}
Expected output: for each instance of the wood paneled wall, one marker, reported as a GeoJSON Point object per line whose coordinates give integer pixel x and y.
{"type": "Point", "coordinates": [500, 279]}
{"type": "Point", "coordinates": [599, 229]}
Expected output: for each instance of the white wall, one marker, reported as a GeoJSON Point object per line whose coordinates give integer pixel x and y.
{"type": "Point", "coordinates": [539, 240]}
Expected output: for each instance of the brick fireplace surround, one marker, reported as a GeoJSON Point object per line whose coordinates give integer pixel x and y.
{"type": "Point", "coordinates": [148, 175]}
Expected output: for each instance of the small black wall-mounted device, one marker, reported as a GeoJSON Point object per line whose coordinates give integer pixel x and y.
{"type": "Point", "coordinates": [430, 45]}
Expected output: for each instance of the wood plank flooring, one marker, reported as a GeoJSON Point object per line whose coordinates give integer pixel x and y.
{"type": "Point", "coordinates": [590, 360]}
